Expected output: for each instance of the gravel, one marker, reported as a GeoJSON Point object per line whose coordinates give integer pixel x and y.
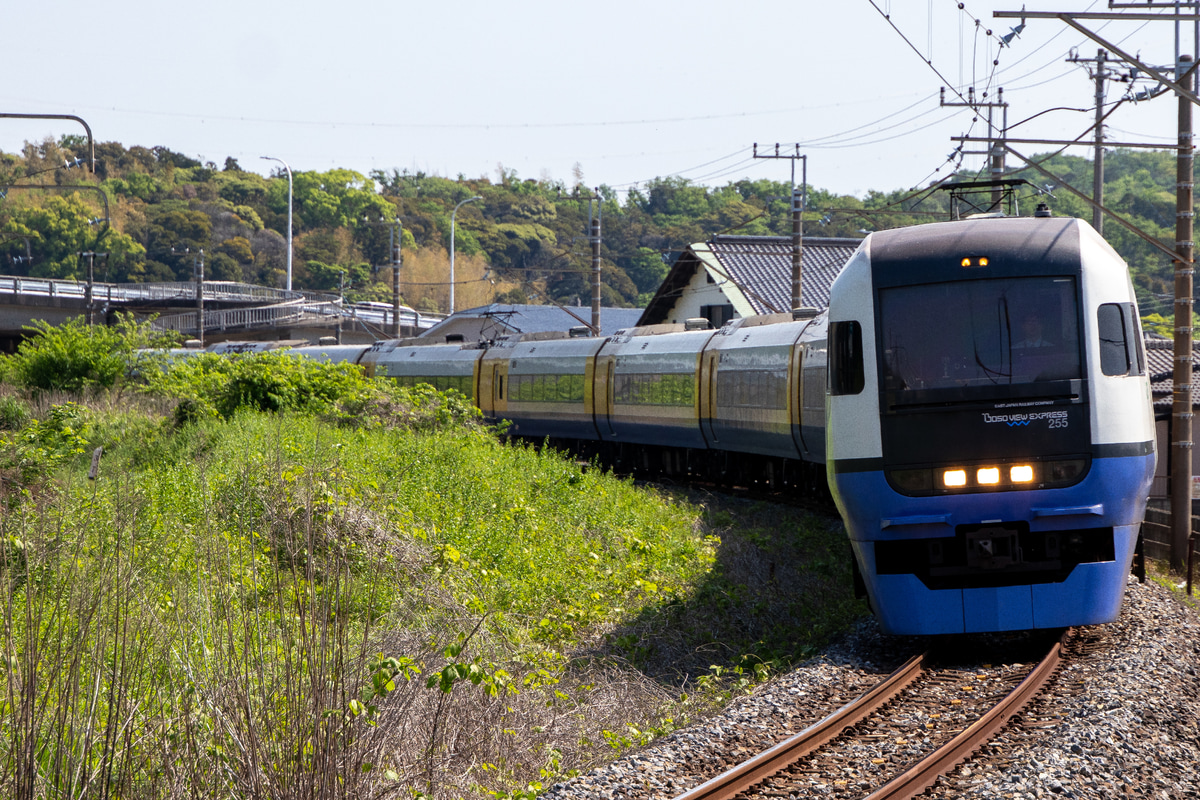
{"type": "Point", "coordinates": [1121, 719]}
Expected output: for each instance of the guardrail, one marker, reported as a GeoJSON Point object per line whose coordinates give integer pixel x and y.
{"type": "Point", "coordinates": [228, 291]}
{"type": "Point", "coordinates": [271, 306]}
{"type": "Point", "coordinates": [260, 317]}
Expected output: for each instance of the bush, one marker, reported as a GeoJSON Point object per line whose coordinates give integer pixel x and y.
{"type": "Point", "coordinates": [75, 356]}
{"type": "Point", "coordinates": [210, 385]}
{"type": "Point", "coordinates": [14, 414]}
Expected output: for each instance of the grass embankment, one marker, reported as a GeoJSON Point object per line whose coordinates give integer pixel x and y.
{"type": "Point", "coordinates": [361, 594]}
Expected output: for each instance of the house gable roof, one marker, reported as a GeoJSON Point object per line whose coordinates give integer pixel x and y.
{"type": "Point", "coordinates": [760, 269]}
{"type": "Point", "coordinates": [501, 319]}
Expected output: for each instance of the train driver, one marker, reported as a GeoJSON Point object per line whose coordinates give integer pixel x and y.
{"type": "Point", "coordinates": [1031, 332]}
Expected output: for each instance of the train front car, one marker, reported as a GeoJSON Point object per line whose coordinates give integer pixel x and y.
{"type": "Point", "coordinates": [990, 433]}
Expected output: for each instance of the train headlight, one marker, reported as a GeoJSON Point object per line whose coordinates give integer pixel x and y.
{"type": "Point", "coordinates": [912, 480]}
{"type": "Point", "coordinates": [955, 477]}
{"type": "Point", "coordinates": [988, 476]}
{"type": "Point", "coordinates": [1021, 473]}
{"type": "Point", "coordinates": [1065, 472]}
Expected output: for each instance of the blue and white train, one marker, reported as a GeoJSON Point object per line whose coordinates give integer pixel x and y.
{"type": "Point", "coordinates": [975, 399]}
{"type": "Point", "coordinates": [991, 435]}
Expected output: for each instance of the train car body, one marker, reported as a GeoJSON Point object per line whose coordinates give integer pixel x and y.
{"type": "Point", "coordinates": [442, 366]}
{"type": "Point", "coordinates": [763, 382]}
{"type": "Point", "coordinates": [331, 353]}
{"type": "Point", "coordinates": [648, 386]}
{"type": "Point", "coordinates": [547, 385]}
{"type": "Point", "coordinates": [990, 432]}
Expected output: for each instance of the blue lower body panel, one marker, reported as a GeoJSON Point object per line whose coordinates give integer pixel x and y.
{"type": "Point", "coordinates": [987, 598]}
{"type": "Point", "coordinates": [557, 420]}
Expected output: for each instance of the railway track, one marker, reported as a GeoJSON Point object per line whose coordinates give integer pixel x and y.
{"type": "Point", "coordinates": [894, 740]}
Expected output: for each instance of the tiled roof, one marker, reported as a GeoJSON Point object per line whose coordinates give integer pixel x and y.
{"type": "Point", "coordinates": [503, 318]}
{"type": "Point", "coordinates": [1160, 366]}
{"type": "Point", "coordinates": [761, 266]}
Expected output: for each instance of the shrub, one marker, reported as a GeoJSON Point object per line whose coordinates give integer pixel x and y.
{"type": "Point", "coordinates": [75, 356]}
{"type": "Point", "coordinates": [14, 414]}
{"type": "Point", "coordinates": [210, 385]}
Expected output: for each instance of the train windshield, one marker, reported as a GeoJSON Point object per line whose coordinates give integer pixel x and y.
{"type": "Point", "coordinates": [987, 332]}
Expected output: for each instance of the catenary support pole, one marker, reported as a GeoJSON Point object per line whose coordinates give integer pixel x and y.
{"type": "Point", "coordinates": [397, 260]}
{"type": "Point", "coordinates": [595, 240]}
{"type": "Point", "coordinates": [200, 298]}
{"type": "Point", "coordinates": [1098, 158]}
{"type": "Point", "coordinates": [1181, 411]}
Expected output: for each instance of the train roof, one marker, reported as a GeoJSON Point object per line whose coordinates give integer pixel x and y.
{"type": "Point", "coordinates": [1052, 242]}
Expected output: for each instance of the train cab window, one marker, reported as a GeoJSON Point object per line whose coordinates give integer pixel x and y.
{"type": "Point", "coordinates": [980, 333]}
{"type": "Point", "coordinates": [1120, 343]}
{"type": "Point", "coordinates": [846, 374]}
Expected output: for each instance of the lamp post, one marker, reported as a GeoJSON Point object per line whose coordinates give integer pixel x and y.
{"type": "Point", "coordinates": [453, 214]}
{"type": "Point", "coordinates": [289, 237]}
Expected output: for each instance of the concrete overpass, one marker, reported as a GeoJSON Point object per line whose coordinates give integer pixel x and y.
{"type": "Point", "coordinates": [231, 310]}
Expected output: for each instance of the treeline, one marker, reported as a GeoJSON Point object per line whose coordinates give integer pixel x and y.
{"type": "Point", "coordinates": [524, 241]}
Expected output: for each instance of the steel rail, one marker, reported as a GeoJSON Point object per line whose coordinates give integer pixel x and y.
{"type": "Point", "coordinates": [742, 777]}
{"type": "Point", "coordinates": [922, 775]}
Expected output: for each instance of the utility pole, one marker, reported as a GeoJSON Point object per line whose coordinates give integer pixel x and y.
{"type": "Point", "coordinates": [995, 143]}
{"type": "Point", "coordinates": [1099, 74]}
{"type": "Point", "coordinates": [1181, 401]}
{"type": "Point", "coordinates": [1183, 85]}
{"type": "Point", "coordinates": [88, 292]}
{"type": "Point", "coordinates": [199, 267]}
{"type": "Point", "coordinates": [595, 215]}
{"type": "Point", "coordinates": [594, 238]}
{"type": "Point", "coordinates": [1098, 157]}
{"type": "Point", "coordinates": [799, 197]}
{"type": "Point", "coordinates": [395, 237]}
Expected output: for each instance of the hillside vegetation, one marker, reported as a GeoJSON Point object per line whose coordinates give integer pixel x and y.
{"type": "Point", "coordinates": [524, 241]}
{"type": "Point", "coordinates": [288, 580]}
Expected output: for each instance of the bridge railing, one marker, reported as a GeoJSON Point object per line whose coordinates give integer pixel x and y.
{"type": "Point", "coordinates": [263, 316]}
{"type": "Point", "coordinates": [229, 291]}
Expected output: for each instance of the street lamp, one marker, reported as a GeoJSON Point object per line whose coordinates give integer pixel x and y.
{"type": "Point", "coordinates": [452, 216]}
{"type": "Point", "coordinates": [289, 173]}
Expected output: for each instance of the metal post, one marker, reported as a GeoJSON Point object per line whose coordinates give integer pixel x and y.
{"type": "Point", "coordinates": [1181, 412]}
{"type": "Point", "coordinates": [453, 215]}
{"type": "Point", "coordinates": [200, 298]}
{"type": "Point", "coordinates": [595, 240]}
{"type": "Point", "coordinates": [1098, 158]}
{"type": "Point", "coordinates": [89, 290]}
{"type": "Point", "coordinates": [797, 246]}
{"type": "Point", "coordinates": [397, 259]}
{"type": "Point", "coordinates": [289, 229]}
{"type": "Point", "coordinates": [341, 305]}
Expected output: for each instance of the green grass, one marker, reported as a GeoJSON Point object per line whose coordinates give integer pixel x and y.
{"type": "Point", "coordinates": [373, 597]}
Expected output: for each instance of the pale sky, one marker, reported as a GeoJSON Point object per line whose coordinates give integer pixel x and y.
{"type": "Point", "coordinates": [629, 91]}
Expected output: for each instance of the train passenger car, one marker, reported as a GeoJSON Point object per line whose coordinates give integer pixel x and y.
{"type": "Point", "coordinates": [331, 353]}
{"type": "Point", "coordinates": [764, 386]}
{"type": "Point", "coordinates": [410, 361]}
{"type": "Point", "coordinates": [647, 386]}
{"type": "Point", "coordinates": [990, 433]}
{"type": "Point", "coordinates": [542, 384]}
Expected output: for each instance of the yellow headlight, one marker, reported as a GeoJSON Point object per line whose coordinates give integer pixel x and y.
{"type": "Point", "coordinates": [955, 477]}
{"type": "Point", "coordinates": [1021, 474]}
{"type": "Point", "coordinates": [988, 476]}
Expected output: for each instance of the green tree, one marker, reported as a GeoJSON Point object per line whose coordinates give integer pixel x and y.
{"type": "Point", "coordinates": [55, 232]}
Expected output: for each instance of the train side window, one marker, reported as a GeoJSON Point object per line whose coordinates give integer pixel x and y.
{"type": "Point", "coordinates": [845, 358]}
{"type": "Point", "coordinates": [1139, 352]}
{"type": "Point", "coordinates": [1115, 340]}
